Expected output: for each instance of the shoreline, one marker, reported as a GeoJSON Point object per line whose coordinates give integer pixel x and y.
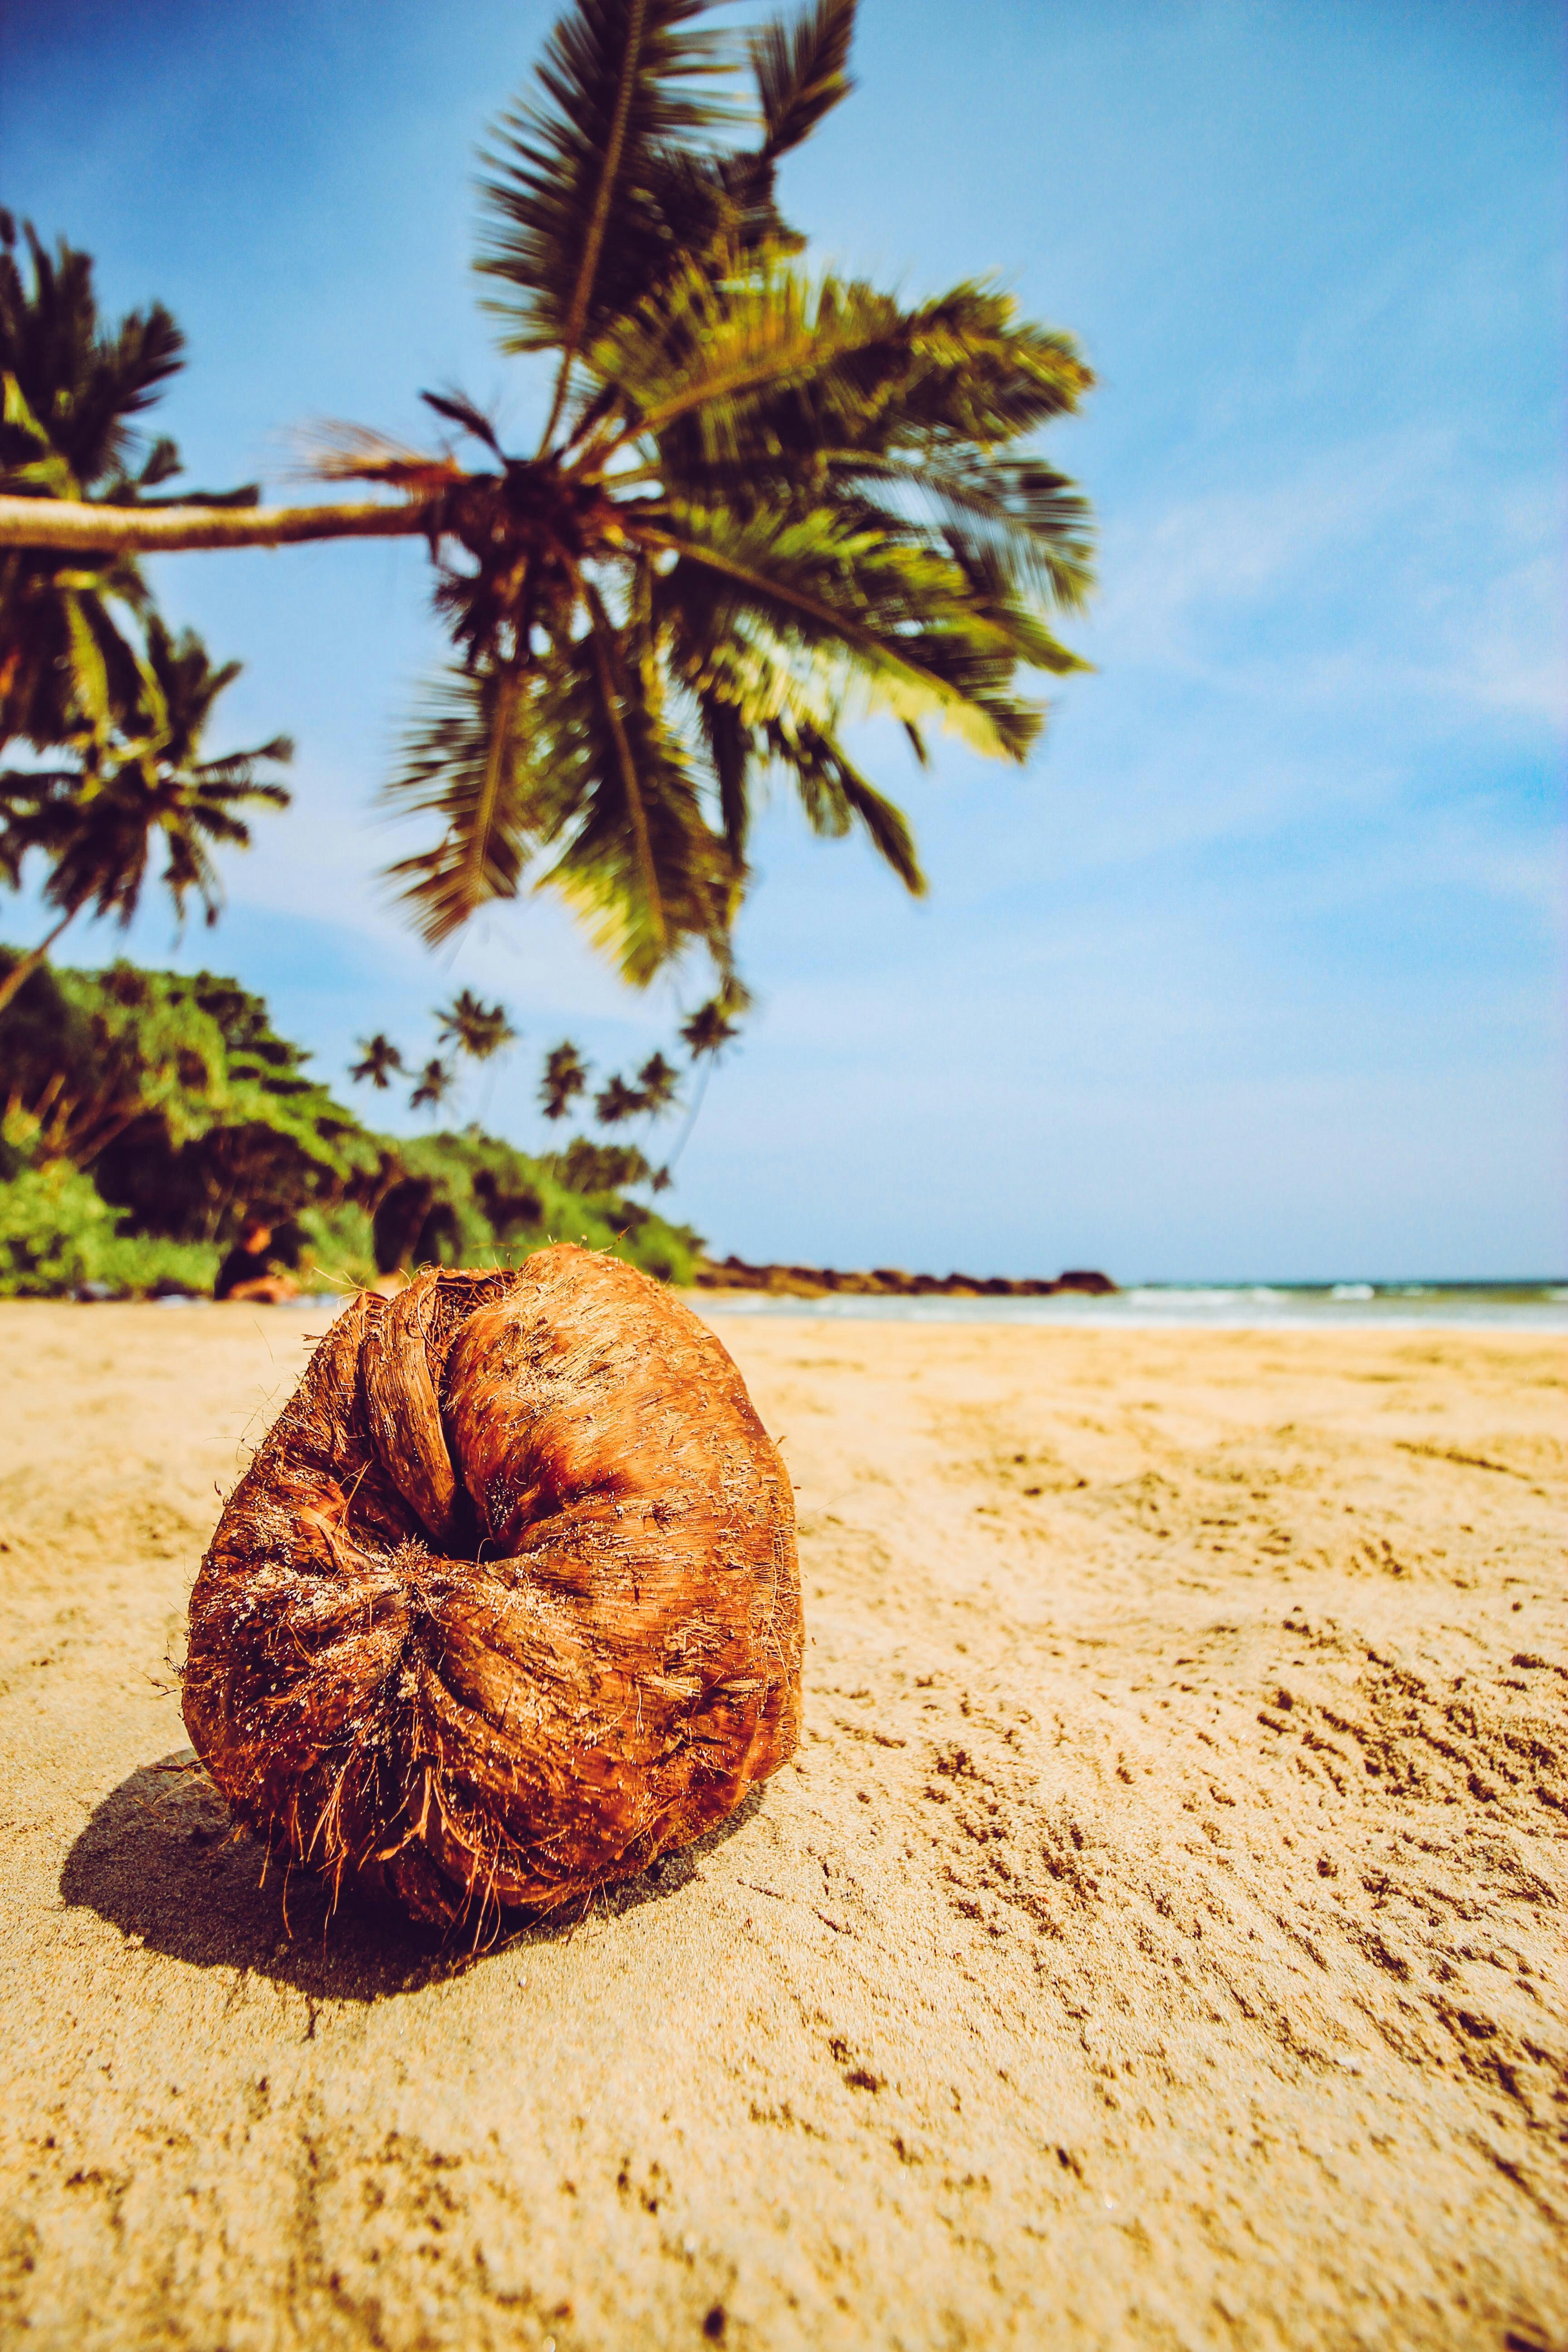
{"type": "Point", "coordinates": [1147, 1309]}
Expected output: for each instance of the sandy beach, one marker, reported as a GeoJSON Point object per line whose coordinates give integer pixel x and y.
{"type": "Point", "coordinates": [1159, 1940]}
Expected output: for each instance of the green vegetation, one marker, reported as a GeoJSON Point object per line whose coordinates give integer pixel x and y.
{"type": "Point", "coordinates": [145, 1112]}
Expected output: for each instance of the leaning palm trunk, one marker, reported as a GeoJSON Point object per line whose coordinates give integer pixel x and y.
{"type": "Point", "coordinates": [80, 525]}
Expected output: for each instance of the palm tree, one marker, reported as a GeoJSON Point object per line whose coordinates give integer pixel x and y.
{"type": "Point", "coordinates": [432, 1086]}
{"type": "Point", "coordinates": [379, 1059]}
{"type": "Point", "coordinates": [70, 389]}
{"type": "Point", "coordinates": [763, 503]}
{"type": "Point", "coordinates": [708, 1030]}
{"type": "Point", "coordinates": [565, 1076]}
{"type": "Point", "coordinates": [705, 1035]}
{"type": "Point", "coordinates": [658, 1083]}
{"type": "Point", "coordinates": [138, 780]}
{"type": "Point", "coordinates": [616, 1102]}
{"type": "Point", "coordinates": [477, 1030]}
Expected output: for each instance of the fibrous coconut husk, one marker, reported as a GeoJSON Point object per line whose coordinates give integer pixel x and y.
{"type": "Point", "coordinates": [506, 1604]}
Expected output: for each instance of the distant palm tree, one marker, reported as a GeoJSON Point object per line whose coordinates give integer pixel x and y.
{"type": "Point", "coordinates": [705, 1036]}
{"type": "Point", "coordinates": [616, 1102]}
{"type": "Point", "coordinates": [710, 1030]}
{"type": "Point", "coordinates": [565, 1076]}
{"type": "Point", "coordinates": [658, 1084]}
{"type": "Point", "coordinates": [763, 503]}
{"type": "Point", "coordinates": [432, 1086]}
{"type": "Point", "coordinates": [477, 1030]}
{"type": "Point", "coordinates": [70, 389]}
{"type": "Point", "coordinates": [138, 779]}
{"type": "Point", "coordinates": [379, 1059]}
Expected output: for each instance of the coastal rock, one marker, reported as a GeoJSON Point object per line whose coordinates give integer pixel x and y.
{"type": "Point", "coordinates": [887, 1282]}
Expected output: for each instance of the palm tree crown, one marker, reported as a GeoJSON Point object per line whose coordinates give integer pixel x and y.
{"type": "Point", "coordinates": [432, 1087]}
{"type": "Point", "coordinates": [379, 1060]}
{"type": "Point", "coordinates": [658, 1084]}
{"type": "Point", "coordinates": [565, 1076]}
{"type": "Point", "coordinates": [765, 503]}
{"type": "Point", "coordinates": [709, 1031]}
{"type": "Point", "coordinates": [477, 1030]}
{"type": "Point", "coordinates": [139, 780]}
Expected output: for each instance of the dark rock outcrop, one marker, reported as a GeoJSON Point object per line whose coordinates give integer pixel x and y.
{"type": "Point", "coordinates": [888, 1282]}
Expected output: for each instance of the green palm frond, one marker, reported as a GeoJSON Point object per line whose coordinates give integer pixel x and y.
{"type": "Point", "coordinates": [834, 796]}
{"type": "Point", "coordinates": [465, 763]}
{"type": "Point", "coordinates": [896, 626]}
{"type": "Point", "coordinates": [1021, 515]}
{"type": "Point", "coordinates": [639, 861]}
{"type": "Point", "coordinates": [140, 781]}
{"type": "Point", "coordinates": [802, 71]}
{"type": "Point", "coordinates": [573, 229]}
{"type": "Point", "coordinates": [83, 383]}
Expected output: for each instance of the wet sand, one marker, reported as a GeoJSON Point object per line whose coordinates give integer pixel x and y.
{"type": "Point", "coordinates": [1160, 1940]}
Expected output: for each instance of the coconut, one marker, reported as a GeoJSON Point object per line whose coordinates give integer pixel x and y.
{"type": "Point", "coordinates": [506, 1604]}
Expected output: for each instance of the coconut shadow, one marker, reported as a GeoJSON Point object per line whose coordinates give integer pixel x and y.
{"type": "Point", "coordinates": [160, 1859]}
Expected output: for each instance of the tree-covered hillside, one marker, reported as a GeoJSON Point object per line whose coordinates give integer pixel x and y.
{"type": "Point", "coordinates": [143, 1114]}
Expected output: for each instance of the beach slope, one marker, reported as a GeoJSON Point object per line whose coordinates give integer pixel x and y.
{"type": "Point", "coordinates": [1158, 1940]}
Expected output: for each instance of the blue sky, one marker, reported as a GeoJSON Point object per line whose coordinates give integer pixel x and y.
{"type": "Point", "coordinates": [1257, 970]}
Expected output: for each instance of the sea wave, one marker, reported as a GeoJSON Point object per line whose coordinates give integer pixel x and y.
{"type": "Point", "coordinates": [1529, 1306]}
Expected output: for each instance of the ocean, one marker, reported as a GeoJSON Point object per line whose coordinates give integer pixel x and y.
{"type": "Point", "coordinates": [1207, 1306]}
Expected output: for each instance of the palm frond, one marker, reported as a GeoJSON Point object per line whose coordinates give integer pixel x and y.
{"type": "Point", "coordinates": [1022, 514]}
{"type": "Point", "coordinates": [835, 795]}
{"type": "Point", "coordinates": [646, 886]}
{"type": "Point", "coordinates": [802, 71]}
{"type": "Point", "coordinates": [572, 227]}
{"type": "Point", "coordinates": [459, 410]}
{"type": "Point", "coordinates": [478, 1030]}
{"type": "Point", "coordinates": [466, 762]}
{"type": "Point", "coordinates": [659, 1086]}
{"type": "Point", "coordinates": [616, 1102]}
{"type": "Point", "coordinates": [710, 1029]}
{"type": "Point", "coordinates": [333, 451]}
{"type": "Point", "coordinates": [432, 1086]}
{"type": "Point", "coordinates": [896, 626]}
{"type": "Point", "coordinates": [87, 381]}
{"type": "Point", "coordinates": [713, 349]}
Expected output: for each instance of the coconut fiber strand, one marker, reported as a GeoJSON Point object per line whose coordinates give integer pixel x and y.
{"type": "Point", "coordinates": [507, 1603]}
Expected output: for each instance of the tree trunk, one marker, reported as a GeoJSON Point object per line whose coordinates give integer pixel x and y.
{"type": "Point", "coordinates": [75, 526]}
{"type": "Point", "coordinates": [22, 971]}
